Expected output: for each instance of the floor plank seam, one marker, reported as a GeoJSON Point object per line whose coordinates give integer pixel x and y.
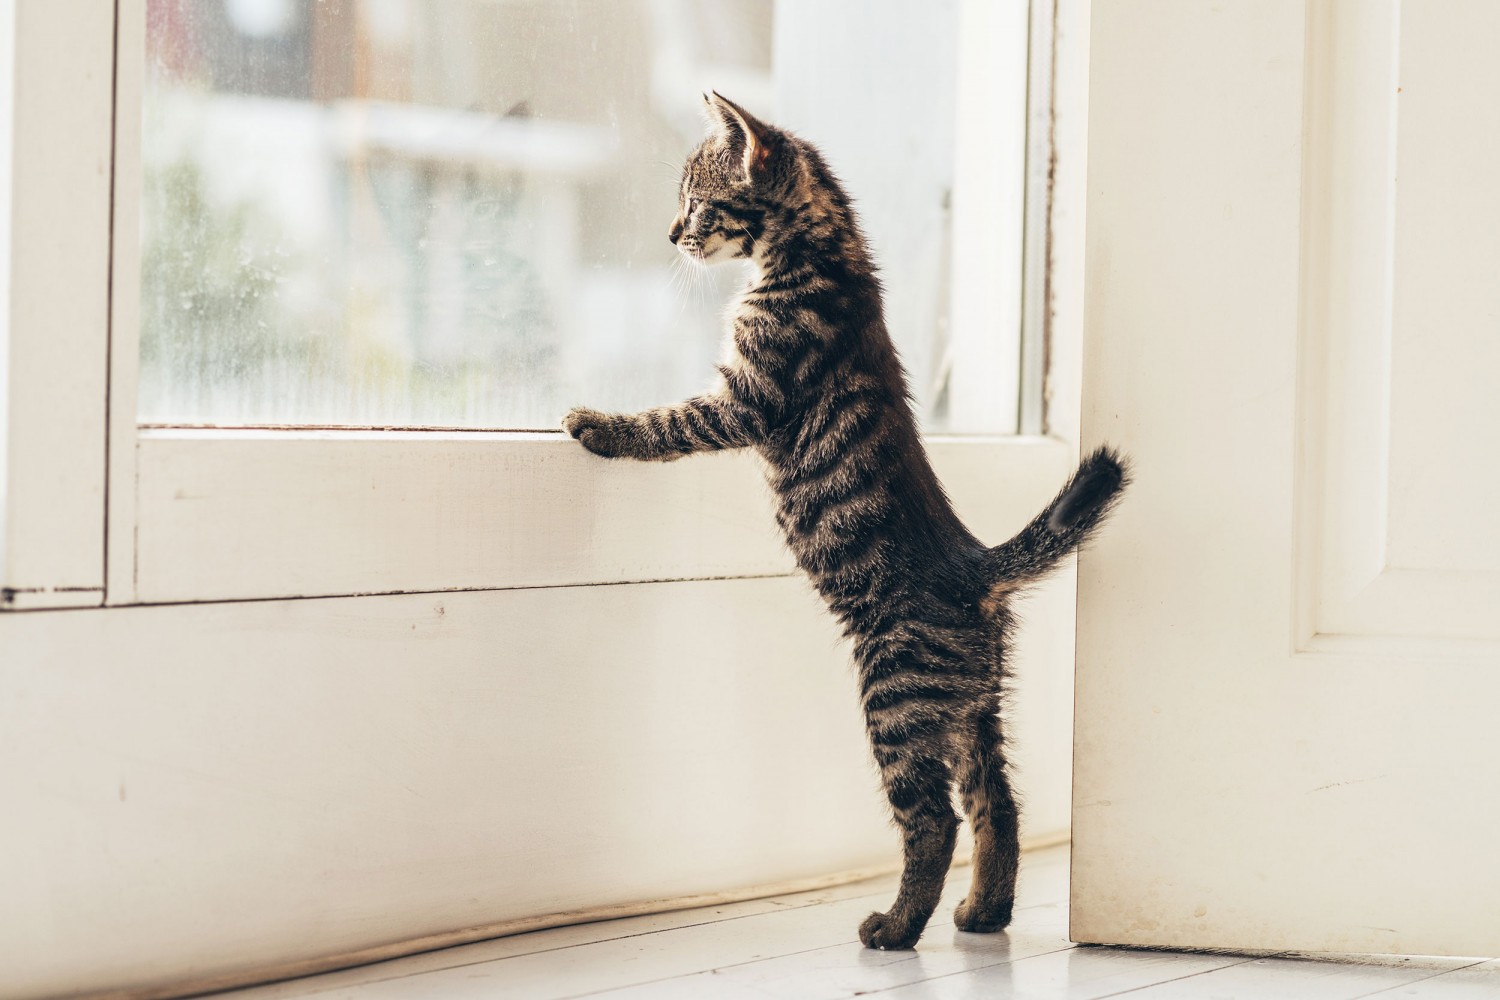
{"type": "Point", "coordinates": [701, 972]}
{"type": "Point", "coordinates": [1437, 974]}
{"type": "Point", "coordinates": [968, 972]}
{"type": "Point", "coordinates": [1178, 979]}
{"type": "Point", "coordinates": [913, 956]}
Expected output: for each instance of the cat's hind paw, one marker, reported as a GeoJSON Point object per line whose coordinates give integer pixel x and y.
{"type": "Point", "coordinates": [884, 933]}
{"type": "Point", "coordinates": [978, 920]}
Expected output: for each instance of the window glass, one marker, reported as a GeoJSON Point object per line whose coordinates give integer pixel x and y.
{"type": "Point", "coordinates": [454, 212]}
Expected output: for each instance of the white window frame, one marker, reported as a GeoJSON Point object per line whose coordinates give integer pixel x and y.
{"type": "Point", "coordinates": [99, 510]}
{"type": "Point", "coordinates": [54, 335]}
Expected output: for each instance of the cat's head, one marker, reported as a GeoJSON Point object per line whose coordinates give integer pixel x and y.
{"type": "Point", "coordinates": [742, 169]}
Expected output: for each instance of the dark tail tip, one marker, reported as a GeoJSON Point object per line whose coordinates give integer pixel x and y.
{"type": "Point", "coordinates": [1096, 485]}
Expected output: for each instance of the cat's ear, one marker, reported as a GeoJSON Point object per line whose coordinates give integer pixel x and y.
{"type": "Point", "coordinates": [728, 118]}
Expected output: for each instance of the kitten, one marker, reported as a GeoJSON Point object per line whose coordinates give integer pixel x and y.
{"type": "Point", "coordinates": [815, 386]}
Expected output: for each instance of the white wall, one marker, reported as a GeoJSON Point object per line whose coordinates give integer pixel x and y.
{"type": "Point", "coordinates": [221, 788]}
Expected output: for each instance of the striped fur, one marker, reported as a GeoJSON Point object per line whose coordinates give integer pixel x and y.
{"type": "Point", "coordinates": [816, 387]}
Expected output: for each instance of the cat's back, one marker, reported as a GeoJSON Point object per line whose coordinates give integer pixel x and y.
{"type": "Point", "coordinates": [853, 483]}
{"type": "Point", "coordinates": [854, 487]}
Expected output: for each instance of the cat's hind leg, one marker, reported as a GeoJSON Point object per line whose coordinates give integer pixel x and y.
{"type": "Point", "coordinates": [994, 818]}
{"type": "Point", "coordinates": [917, 783]}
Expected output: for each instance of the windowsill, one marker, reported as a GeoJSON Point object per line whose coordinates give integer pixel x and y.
{"type": "Point", "coordinates": [325, 512]}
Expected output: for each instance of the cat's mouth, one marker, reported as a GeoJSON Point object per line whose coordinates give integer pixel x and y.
{"type": "Point", "coordinates": [711, 251]}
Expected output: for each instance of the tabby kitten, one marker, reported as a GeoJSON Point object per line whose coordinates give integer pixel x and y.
{"type": "Point", "coordinates": [815, 386]}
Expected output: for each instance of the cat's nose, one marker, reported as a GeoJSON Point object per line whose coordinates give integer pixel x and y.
{"type": "Point", "coordinates": [675, 233]}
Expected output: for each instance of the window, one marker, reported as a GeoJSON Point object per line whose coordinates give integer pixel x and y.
{"type": "Point", "coordinates": [392, 213]}
{"type": "Point", "coordinates": [362, 255]}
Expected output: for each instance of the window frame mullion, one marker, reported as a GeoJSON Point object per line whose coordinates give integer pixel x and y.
{"type": "Point", "coordinates": [58, 160]}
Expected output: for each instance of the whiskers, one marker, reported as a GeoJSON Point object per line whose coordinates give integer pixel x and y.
{"type": "Point", "coordinates": [690, 281]}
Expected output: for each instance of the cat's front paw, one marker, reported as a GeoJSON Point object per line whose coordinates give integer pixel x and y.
{"type": "Point", "coordinates": [882, 931]}
{"type": "Point", "coordinates": [598, 432]}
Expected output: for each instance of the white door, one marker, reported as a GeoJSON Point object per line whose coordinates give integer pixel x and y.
{"type": "Point", "coordinates": [1288, 714]}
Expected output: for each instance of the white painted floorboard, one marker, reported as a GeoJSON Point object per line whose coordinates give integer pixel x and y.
{"type": "Point", "coordinates": [804, 947]}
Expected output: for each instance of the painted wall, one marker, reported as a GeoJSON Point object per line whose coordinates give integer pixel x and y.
{"type": "Point", "coordinates": [223, 787]}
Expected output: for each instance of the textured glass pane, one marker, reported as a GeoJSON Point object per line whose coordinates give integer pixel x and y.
{"type": "Point", "coordinates": [454, 212]}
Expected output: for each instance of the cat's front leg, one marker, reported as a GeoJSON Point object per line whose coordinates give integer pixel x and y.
{"type": "Point", "coordinates": [704, 423]}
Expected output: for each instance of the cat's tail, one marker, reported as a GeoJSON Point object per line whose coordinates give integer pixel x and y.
{"type": "Point", "coordinates": [1067, 522]}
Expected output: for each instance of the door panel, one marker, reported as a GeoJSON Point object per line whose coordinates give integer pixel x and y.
{"type": "Point", "coordinates": [1445, 351]}
{"type": "Point", "coordinates": [1287, 666]}
{"type": "Point", "coordinates": [1403, 209]}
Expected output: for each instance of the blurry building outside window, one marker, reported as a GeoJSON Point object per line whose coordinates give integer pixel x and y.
{"type": "Point", "coordinates": [453, 213]}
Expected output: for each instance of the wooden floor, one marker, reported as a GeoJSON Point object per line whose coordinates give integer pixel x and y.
{"type": "Point", "coordinates": [804, 946]}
